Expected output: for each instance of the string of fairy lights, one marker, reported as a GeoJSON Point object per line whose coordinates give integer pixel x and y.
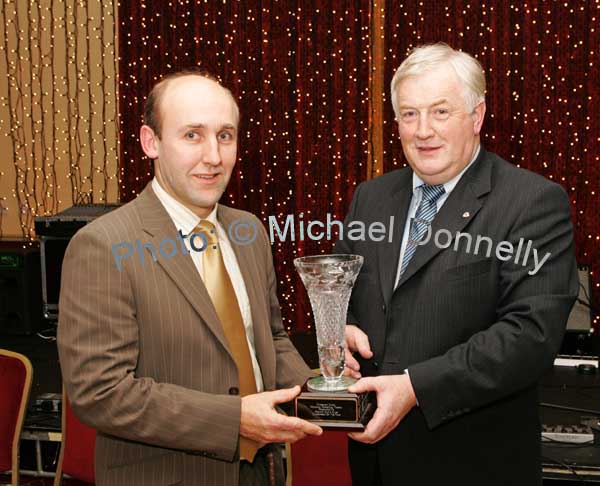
{"type": "Point", "coordinates": [60, 107]}
{"type": "Point", "coordinates": [303, 146]}
{"type": "Point", "coordinates": [540, 60]}
{"type": "Point", "coordinates": [300, 74]}
{"type": "Point", "coordinates": [303, 76]}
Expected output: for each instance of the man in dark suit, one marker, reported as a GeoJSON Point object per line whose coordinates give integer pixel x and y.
{"type": "Point", "coordinates": [173, 354]}
{"type": "Point", "coordinates": [454, 321]}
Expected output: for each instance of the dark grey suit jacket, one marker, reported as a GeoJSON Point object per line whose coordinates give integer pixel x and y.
{"type": "Point", "coordinates": [475, 332]}
{"type": "Point", "coordinates": [144, 356]}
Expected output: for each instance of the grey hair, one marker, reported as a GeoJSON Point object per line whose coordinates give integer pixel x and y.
{"type": "Point", "coordinates": [424, 58]}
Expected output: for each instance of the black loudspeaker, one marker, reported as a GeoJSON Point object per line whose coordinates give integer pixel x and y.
{"type": "Point", "coordinates": [20, 287]}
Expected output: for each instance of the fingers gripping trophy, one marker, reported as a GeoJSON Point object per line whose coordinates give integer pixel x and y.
{"type": "Point", "coordinates": [329, 280]}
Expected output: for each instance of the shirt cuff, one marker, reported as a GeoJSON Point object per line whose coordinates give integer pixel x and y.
{"type": "Point", "coordinates": [407, 374]}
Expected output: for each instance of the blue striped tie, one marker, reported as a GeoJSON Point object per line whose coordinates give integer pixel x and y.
{"type": "Point", "coordinates": [424, 216]}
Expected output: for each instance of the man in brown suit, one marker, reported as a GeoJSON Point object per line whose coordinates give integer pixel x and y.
{"type": "Point", "coordinates": [147, 358]}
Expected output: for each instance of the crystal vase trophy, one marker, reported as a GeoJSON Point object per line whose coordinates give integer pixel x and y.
{"type": "Point", "coordinates": [329, 280]}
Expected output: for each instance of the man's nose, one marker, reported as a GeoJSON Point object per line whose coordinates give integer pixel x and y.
{"type": "Point", "coordinates": [424, 128]}
{"type": "Point", "coordinates": [211, 153]}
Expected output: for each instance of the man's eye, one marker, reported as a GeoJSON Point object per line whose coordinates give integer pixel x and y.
{"type": "Point", "coordinates": [225, 136]}
{"type": "Point", "coordinates": [441, 112]}
{"type": "Point", "coordinates": [407, 115]}
{"type": "Point", "coordinates": [190, 135]}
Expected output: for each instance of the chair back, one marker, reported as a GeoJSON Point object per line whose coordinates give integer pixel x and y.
{"type": "Point", "coordinates": [15, 384]}
{"type": "Point", "coordinates": [77, 449]}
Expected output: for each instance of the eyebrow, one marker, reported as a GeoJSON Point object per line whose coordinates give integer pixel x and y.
{"type": "Point", "coordinates": [227, 126]}
{"type": "Point", "coordinates": [441, 101]}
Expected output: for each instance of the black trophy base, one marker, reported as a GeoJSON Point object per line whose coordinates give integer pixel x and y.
{"type": "Point", "coordinates": [340, 410]}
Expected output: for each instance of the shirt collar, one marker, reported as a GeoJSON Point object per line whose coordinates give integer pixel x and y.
{"type": "Point", "coordinates": [184, 219]}
{"type": "Point", "coordinates": [451, 184]}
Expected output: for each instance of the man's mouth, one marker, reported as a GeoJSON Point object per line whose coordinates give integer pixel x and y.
{"type": "Point", "coordinates": [427, 150]}
{"type": "Point", "coordinates": [206, 177]}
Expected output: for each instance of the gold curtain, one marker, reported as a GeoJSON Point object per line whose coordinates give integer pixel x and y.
{"type": "Point", "coordinates": [58, 108]}
{"type": "Point", "coordinates": [376, 88]}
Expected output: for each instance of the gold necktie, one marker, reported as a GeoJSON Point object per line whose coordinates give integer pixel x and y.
{"type": "Point", "coordinates": [219, 287]}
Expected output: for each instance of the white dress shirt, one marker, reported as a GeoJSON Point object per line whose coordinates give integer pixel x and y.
{"type": "Point", "coordinates": [185, 221]}
{"type": "Point", "coordinates": [417, 182]}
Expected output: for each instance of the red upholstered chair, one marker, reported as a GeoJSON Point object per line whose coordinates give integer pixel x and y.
{"type": "Point", "coordinates": [77, 449]}
{"type": "Point", "coordinates": [319, 461]}
{"type": "Point", "coordinates": [15, 383]}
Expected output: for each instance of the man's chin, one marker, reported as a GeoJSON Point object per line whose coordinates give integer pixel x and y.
{"type": "Point", "coordinates": [429, 167]}
{"type": "Point", "coordinates": [206, 202]}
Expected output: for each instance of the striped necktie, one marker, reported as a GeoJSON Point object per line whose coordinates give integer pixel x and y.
{"type": "Point", "coordinates": [221, 291]}
{"type": "Point", "coordinates": [424, 216]}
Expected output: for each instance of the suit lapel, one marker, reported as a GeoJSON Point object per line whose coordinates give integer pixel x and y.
{"type": "Point", "coordinates": [158, 225]}
{"type": "Point", "coordinates": [459, 209]}
{"type": "Point", "coordinates": [389, 253]}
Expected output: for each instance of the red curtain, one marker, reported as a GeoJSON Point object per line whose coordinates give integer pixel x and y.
{"type": "Point", "coordinates": [300, 73]}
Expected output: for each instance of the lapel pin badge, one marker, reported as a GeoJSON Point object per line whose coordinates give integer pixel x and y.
{"type": "Point", "coordinates": [466, 214]}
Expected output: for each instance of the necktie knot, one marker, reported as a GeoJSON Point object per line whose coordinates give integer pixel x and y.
{"type": "Point", "coordinates": [432, 193]}
{"type": "Point", "coordinates": [423, 217]}
{"type": "Point", "coordinates": [208, 229]}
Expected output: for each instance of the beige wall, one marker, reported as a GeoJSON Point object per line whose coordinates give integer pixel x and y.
{"type": "Point", "coordinates": [58, 108]}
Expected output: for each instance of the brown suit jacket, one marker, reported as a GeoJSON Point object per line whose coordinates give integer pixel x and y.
{"type": "Point", "coordinates": [144, 357]}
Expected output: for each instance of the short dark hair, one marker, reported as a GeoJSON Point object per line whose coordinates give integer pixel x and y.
{"type": "Point", "coordinates": [152, 114]}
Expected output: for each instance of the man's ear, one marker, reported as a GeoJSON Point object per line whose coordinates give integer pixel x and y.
{"type": "Point", "coordinates": [149, 141]}
{"type": "Point", "coordinates": [478, 115]}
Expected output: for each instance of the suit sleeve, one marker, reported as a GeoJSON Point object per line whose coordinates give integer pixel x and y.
{"type": "Point", "coordinates": [99, 350]}
{"type": "Point", "coordinates": [514, 351]}
{"type": "Point", "coordinates": [290, 368]}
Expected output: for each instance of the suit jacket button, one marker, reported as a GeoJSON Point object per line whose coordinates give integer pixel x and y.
{"type": "Point", "coordinates": [383, 308]}
{"type": "Point", "coordinates": [234, 391]}
{"type": "Point", "coordinates": [376, 364]}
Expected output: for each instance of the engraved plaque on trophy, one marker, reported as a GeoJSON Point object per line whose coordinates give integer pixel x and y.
{"type": "Point", "coordinates": [325, 399]}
